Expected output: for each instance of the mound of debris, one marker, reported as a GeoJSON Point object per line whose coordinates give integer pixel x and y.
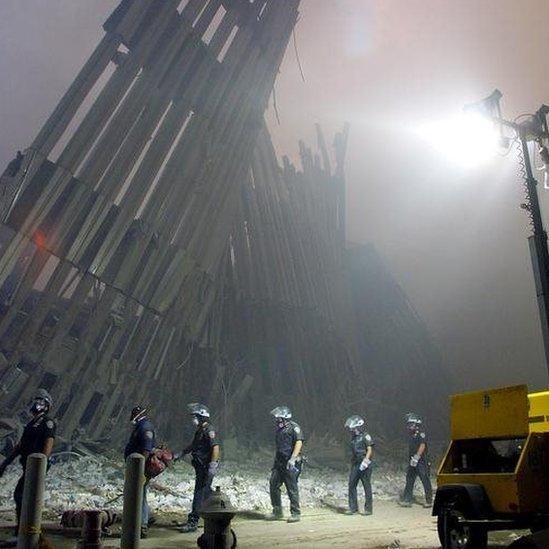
{"type": "Point", "coordinates": [96, 482]}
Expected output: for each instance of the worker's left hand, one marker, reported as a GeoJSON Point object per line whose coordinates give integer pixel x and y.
{"type": "Point", "coordinates": [212, 468]}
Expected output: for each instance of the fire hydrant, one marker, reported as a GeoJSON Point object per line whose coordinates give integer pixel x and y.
{"type": "Point", "coordinates": [217, 513]}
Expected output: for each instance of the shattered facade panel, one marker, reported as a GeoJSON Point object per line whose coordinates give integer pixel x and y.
{"type": "Point", "coordinates": [153, 245]}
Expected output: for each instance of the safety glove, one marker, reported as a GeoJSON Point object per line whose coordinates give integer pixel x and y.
{"type": "Point", "coordinates": [414, 460]}
{"type": "Point", "coordinates": [364, 464]}
{"type": "Point", "coordinates": [291, 464]}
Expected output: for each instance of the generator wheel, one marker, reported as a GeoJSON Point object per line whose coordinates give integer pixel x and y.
{"type": "Point", "coordinates": [454, 535]}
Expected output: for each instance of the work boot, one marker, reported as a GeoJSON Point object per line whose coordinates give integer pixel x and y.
{"type": "Point", "coordinates": [350, 512]}
{"type": "Point", "coordinates": [405, 503]}
{"type": "Point", "coordinates": [276, 514]}
{"type": "Point", "coordinates": [367, 512]}
{"type": "Point", "coordinates": [144, 532]}
{"type": "Point", "coordinates": [189, 527]}
{"type": "Point", "coordinates": [294, 518]}
{"type": "Point", "coordinates": [427, 505]}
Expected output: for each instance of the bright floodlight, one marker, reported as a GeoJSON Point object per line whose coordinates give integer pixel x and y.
{"type": "Point", "coordinates": [468, 140]}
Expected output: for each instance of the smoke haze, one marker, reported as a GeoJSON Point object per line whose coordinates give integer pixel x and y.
{"type": "Point", "coordinates": [455, 238]}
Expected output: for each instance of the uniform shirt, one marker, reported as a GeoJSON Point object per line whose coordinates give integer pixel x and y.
{"type": "Point", "coordinates": [142, 438]}
{"type": "Point", "coordinates": [415, 440]}
{"type": "Point", "coordinates": [35, 434]}
{"type": "Point", "coordinates": [285, 439]}
{"type": "Point", "coordinates": [205, 438]}
{"type": "Point", "coordinates": [359, 446]}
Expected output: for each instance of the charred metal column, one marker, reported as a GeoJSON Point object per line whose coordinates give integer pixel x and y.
{"type": "Point", "coordinates": [33, 502]}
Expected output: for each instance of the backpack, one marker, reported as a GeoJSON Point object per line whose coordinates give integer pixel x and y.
{"type": "Point", "coordinates": [157, 462]}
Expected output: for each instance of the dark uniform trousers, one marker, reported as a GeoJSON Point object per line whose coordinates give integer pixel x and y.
{"type": "Point", "coordinates": [421, 471]}
{"type": "Point", "coordinates": [280, 474]}
{"type": "Point", "coordinates": [202, 489]}
{"type": "Point", "coordinates": [18, 497]}
{"type": "Point", "coordinates": [201, 447]}
{"type": "Point", "coordinates": [36, 432]}
{"type": "Point", "coordinates": [356, 475]}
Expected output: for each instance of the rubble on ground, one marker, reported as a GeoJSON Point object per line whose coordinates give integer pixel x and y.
{"type": "Point", "coordinates": [97, 481]}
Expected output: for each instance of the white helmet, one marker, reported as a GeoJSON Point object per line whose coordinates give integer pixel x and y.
{"type": "Point", "coordinates": [197, 409]}
{"type": "Point", "coordinates": [413, 418]}
{"type": "Point", "coordinates": [281, 412]}
{"type": "Point", "coordinates": [354, 422]}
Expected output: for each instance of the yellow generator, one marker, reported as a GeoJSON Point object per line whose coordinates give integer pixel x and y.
{"type": "Point", "coordinates": [495, 473]}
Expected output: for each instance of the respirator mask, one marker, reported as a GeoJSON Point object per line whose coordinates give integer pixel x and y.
{"type": "Point", "coordinates": [38, 406]}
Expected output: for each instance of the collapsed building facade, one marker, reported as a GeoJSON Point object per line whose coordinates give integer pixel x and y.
{"type": "Point", "coordinates": [155, 250]}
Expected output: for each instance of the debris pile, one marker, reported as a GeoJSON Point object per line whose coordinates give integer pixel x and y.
{"type": "Point", "coordinates": [96, 482]}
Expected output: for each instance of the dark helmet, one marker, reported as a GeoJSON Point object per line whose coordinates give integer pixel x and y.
{"type": "Point", "coordinates": [137, 413]}
{"type": "Point", "coordinates": [42, 394]}
{"type": "Point", "coordinates": [281, 412]}
{"type": "Point", "coordinates": [197, 409]}
{"type": "Point", "coordinates": [354, 422]}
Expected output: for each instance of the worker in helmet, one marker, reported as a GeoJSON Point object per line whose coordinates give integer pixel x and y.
{"type": "Point", "coordinates": [142, 441]}
{"type": "Point", "coordinates": [287, 464]}
{"type": "Point", "coordinates": [418, 464]}
{"type": "Point", "coordinates": [205, 452]}
{"type": "Point", "coordinates": [38, 437]}
{"type": "Point", "coordinates": [361, 464]}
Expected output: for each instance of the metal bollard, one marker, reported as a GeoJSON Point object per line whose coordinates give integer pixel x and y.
{"type": "Point", "coordinates": [33, 502]}
{"type": "Point", "coordinates": [217, 513]}
{"type": "Point", "coordinates": [133, 501]}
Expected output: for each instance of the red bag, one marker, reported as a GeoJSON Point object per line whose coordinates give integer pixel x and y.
{"type": "Point", "coordinates": [157, 462]}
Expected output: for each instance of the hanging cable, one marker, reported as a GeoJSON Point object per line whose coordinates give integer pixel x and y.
{"type": "Point", "coordinates": [527, 205]}
{"type": "Point", "coordinates": [275, 105]}
{"type": "Point", "coordinates": [297, 54]}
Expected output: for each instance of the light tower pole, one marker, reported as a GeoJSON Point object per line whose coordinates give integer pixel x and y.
{"type": "Point", "coordinates": [533, 128]}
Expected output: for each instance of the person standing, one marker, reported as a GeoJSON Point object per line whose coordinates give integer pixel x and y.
{"type": "Point", "coordinates": [361, 464]}
{"type": "Point", "coordinates": [418, 465]}
{"type": "Point", "coordinates": [142, 441]}
{"type": "Point", "coordinates": [205, 451]}
{"type": "Point", "coordinates": [38, 437]}
{"type": "Point", "coordinates": [287, 464]}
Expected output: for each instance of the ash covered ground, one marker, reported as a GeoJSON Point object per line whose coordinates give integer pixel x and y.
{"type": "Point", "coordinates": [97, 481]}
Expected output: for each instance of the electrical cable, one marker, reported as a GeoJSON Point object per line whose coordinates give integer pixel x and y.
{"type": "Point", "coordinates": [275, 105]}
{"type": "Point", "coordinates": [524, 176]}
{"type": "Point", "coordinates": [523, 115]}
{"type": "Point", "coordinates": [297, 53]}
{"type": "Point", "coordinates": [509, 148]}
